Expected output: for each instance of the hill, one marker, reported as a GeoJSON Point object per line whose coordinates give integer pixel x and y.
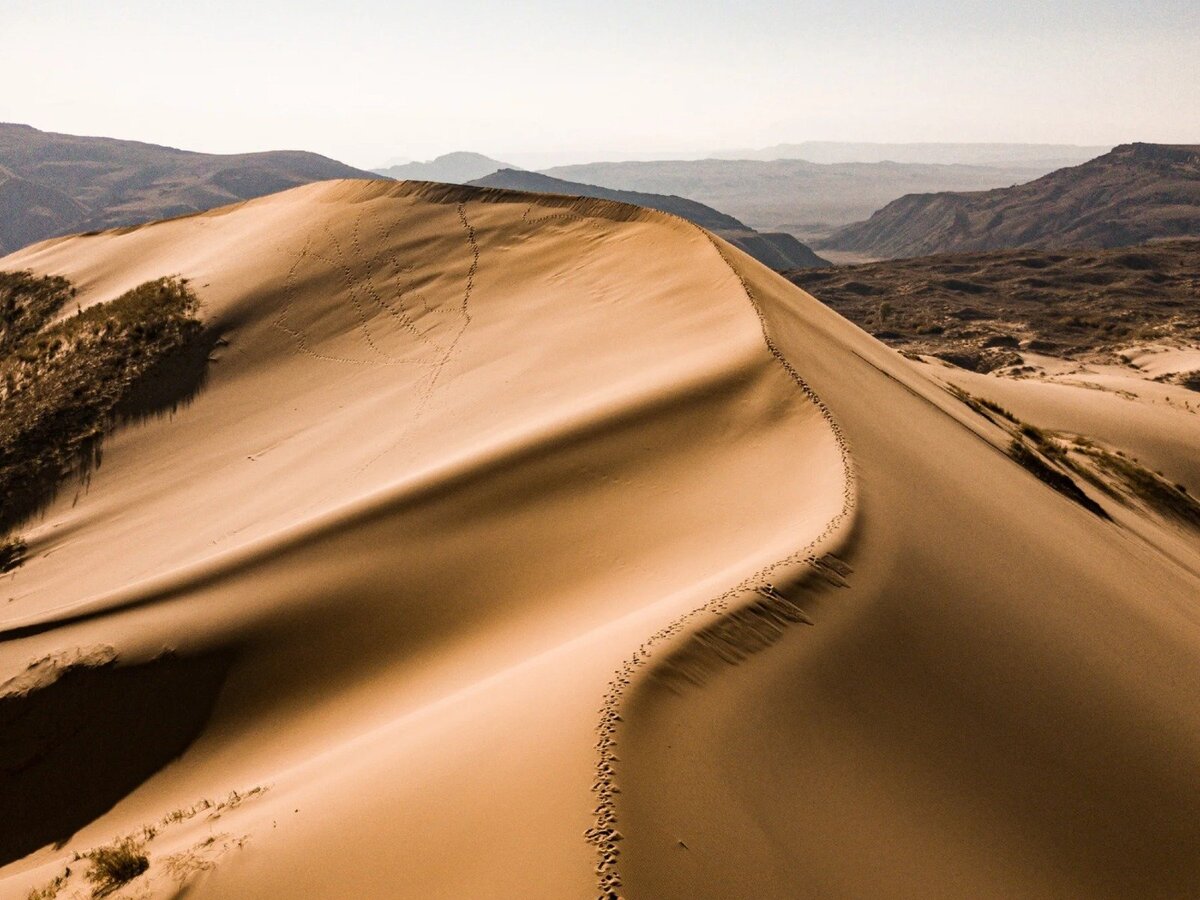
{"type": "Point", "coordinates": [778, 250]}
{"type": "Point", "coordinates": [52, 184]}
{"type": "Point", "coordinates": [1135, 193]}
{"type": "Point", "coordinates": [516, 545]}
{"type": "Point", "coordinates": [806, 199]}
{"type": "Point", "coordinates": [451, 168]}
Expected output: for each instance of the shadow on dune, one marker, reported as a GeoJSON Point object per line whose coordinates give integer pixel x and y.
{"type": "Point", "coordinates": [71, 750]}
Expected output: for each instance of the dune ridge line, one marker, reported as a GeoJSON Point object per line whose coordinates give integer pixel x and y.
{"type": "Point", "coordinates": [810, 564]}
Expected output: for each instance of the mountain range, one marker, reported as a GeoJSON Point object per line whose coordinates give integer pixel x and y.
{"type": "Point", "coordinates": [1134, 193]}
{"type": "Point", "coordinates": [459, 167]}
{"type": "Point", "coordinates": [53, 184]}
{"type": "Point", "coordinates": [1047, 156]}
{"type": "Point", "coordinates": [807, 199]}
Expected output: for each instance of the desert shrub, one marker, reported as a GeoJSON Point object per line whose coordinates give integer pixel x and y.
{"type": "Point", "coordinates": [982, 405]}
{"type": "Point", "coordinates": [12, 553]}
{"type": "Point", "coordinates": [61, 385]}
{"type": "Point", "coordinates": [996, 408]}
{"type": "Point", "coordinates": [28, 302]}
{"type": "Point", "coordinates": [1064, 484]}
{"type": "Point", "coordinates": [115, 864]}
{"type": "Point", "coordinates": [49, 890]}
{"type": "Point", "coordinates": [1172, 500]}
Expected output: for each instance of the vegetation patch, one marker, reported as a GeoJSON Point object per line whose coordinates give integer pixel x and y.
{"type": "Point", "coordinates": [12, 553]}
{"type": "Point", "coordinates": [62, 385]}
{"type": "Point", "coordinates": [28, 302]}
{"type": "Point", "coordinates": [1188, 380]}
{"type": "Point", "coordinates": [1118, 476]}
{"type": "Point", "coordinates": [1064, 484]}
{"type": "Point", "coordinates": [50, 889]}
{"type": "Point", "coordinates": [123, 860]}
{"type": "Point", "coordinates": [1073, 304]}
{"type": "Point", "coordinates": [115, 865]}
{"type": "Point", "coordinates": [986, 408]}
{"type": "Point", "coordinates": [1033, 449]}
{"type": "Point", "coordinates": [1170, 500]}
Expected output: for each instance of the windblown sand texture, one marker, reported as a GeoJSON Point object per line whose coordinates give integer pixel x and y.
{"type": "Point", "coordinates": [527, 546]}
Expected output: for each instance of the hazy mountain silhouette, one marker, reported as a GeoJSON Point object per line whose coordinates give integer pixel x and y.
{"type": "Point", "coordinates": [1047, 156]}
{"type": "Point", "coordinates": [807, 199]}
{"type": "Point", "coordinates": [451, 168]}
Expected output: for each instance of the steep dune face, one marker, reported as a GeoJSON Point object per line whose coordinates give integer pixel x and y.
{"type": "Point", "coordinates": [553, 547]}
{"type": "Point", "coordinates": [1001, 703]}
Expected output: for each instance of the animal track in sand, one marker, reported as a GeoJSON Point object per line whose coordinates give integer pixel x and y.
{"type": "Point", "coordinates": [438, 366]}
{"type": "Point", "coordinates": [762, 615]}
{"type": "Point", "coordinates": [381, 292]}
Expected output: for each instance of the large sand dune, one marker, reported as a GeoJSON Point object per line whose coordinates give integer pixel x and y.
{"type": "Point", "coordinates": [456, 554]}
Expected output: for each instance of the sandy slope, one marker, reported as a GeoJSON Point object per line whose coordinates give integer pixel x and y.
{"type": "Point", "coordinates": [470, 476]}
{"type": "Point", "coordinates": [442, 477]}
{"type": "Point", "coordinates": [1001, 705]}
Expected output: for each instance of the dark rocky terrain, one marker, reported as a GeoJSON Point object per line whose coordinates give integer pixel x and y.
{"type": "Point", "coordinates": [52, 184]}
{"type": "Point", "coordinates": [1130, 195]}
{"type": "Point", "coordinates": [977, 309]}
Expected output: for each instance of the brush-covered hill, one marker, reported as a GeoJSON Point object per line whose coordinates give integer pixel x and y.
{"type": "Point", "coordinates": [983, 310]}
{"type": "Point", "coordinates": [1132, 194]}
{"type": "Point", "coordinates": [52, 184]}
{"type": "Point", "coordinates": [777, 250]}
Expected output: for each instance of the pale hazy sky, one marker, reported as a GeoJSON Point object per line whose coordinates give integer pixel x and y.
{"type": "Point", "coordinates": [368, 80]}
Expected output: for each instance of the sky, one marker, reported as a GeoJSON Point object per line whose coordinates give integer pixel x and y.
{"type": "Point", "coordinates": [372, 81]}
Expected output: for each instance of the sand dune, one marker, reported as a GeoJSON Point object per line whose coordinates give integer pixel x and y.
{"type": "Point", "coordinates": [486, 558]}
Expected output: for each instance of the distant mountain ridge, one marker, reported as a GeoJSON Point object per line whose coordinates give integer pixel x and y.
{"type": "Point", "coordinates": [459, 167]}
{"type": "Point", "coordinates": [1050, 156]}
{"type": "Point", "coordinates": [1134, 193]}
{"type": "Point", "coordinates": [806, 199]}
{"type": "Point", "coordinates": [53, 184]}
{"type": "Point", "coordinates": [779, 251]}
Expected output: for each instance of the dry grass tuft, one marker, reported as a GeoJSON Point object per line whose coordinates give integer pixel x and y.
{"type": "Point", "coordinates": [115, 865]}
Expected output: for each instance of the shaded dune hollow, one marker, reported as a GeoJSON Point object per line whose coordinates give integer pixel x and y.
{"type": "Point", "coordinates": [72, 747]}
{"type": "Point", "coordinates": [568, 551]}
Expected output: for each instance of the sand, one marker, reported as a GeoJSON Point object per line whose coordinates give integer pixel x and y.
{"type": "Point", "coordinates": [457, 553]}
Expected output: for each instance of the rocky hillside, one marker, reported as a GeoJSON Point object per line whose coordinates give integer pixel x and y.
{"type": "Point", "coordinates": [1132, 194]}
{"type": "Point", "coordinates": [52, 184]}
